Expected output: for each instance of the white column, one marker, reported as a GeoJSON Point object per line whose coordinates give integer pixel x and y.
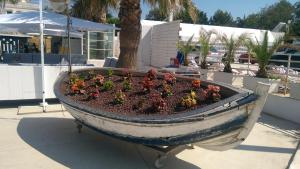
{"type": "Point", "coordinates": [113, 42]}
{"type": "Point", "coordinates": [88, 45]}
{"type": "Point", "coordinates": [42, 54]}
{"type": "Point", "coordinates": [82, 45]}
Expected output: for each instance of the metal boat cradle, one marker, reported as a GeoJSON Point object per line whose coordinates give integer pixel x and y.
{"type": "Point", "coordinates": [220, 126]}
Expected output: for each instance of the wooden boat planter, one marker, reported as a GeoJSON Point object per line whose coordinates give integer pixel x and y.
{"type": "Point", "coordinates": [219, 126]}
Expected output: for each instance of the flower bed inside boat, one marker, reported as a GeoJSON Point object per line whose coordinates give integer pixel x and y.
{"type": "Point", "coordinates": [134, 93]}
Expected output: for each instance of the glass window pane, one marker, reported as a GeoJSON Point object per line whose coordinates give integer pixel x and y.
{"type": "Point", "coordinates": [97, 44]}
{"type": "Point", "coordinates": [96, 35]}
{"type": "Point", "coordinates": [97, 54]}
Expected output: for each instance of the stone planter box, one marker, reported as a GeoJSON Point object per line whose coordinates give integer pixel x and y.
{"type": "Point", "coordinates": [204, 74]}
{"type": "Point", "coordinates": [223, 77]}
{"type": "Point", "coordinates": [250, 82]}
{"type": "Point", "coordinates": [283, 107]}
{"type": "Point", "coordinates": [295, 91]}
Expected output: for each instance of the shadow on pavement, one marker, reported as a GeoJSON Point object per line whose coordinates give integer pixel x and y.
{"type": "Point", "coordinates": [58, 139]}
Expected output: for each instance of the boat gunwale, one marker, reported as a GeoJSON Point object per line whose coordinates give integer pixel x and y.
{"type": "Point", "coordinates": [242, 97]}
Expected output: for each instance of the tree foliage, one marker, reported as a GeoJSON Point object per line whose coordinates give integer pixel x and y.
{"type": "Point", "coordinates": [93, 10]}
{"type": "Point", "coordinates": [231, 45]}
{"type": "Point", "coordinates": [222, 18]}
{"type": "Point", "coordinates": [205, 38]}
{"type": "Point", "coordinates": [262, 52]}
{"type": "Point", "coordinates": [269, 17]}
{"type": "Point", "coordinates": [156, 15]}
{"type": "Point", "coordinates": [184, 16]}
{"type": "Point", "coordinates": [296, 20]}
{"type": "Point", "coordinates": [185, 48]}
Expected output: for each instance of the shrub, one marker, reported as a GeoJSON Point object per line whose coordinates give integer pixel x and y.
{"type": "Point", "coordinates": [93, 94]}
{"type": "Point", "coordinates": [189, 100]}
{"type": "Point", "coordinates": [152, 74]}
{"type": "Point", "coordinates": [108, 85]}
{"type": "Point", "coordinates": [147, 84]}
{"type": "Point", "coordinates": [98, 80]}
{"type": "Point", "coordinates": [119, 97]}
{"type": "Point", "coordinates": [196, 83]}
{"type": "Point", "coordinates": [158, 103]}
{"type": "Point", "coordinates": [127, 85]}
{"type": "Point", "coordinates": [170, 78]}
{"type": "Point", "coordinates": [167, 90]}
{"type": "Point", "coordinates": [213, 93]}
{"type": "Point", "coordinates": [78, 87]}
{"type": "Point", "coordinates": [110, 72]}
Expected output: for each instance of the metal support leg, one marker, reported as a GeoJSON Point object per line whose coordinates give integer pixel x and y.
{"type": "Point", "coordinates": [167, 151]}
{"type": "Point", "coordinates": [78, 126]}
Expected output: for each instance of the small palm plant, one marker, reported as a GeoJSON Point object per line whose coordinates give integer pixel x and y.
{"type": "Point", "coordinates": [185, 48]}
{"type": "Point", "coordinates": [231, 45]}
{"type": "Point", "coordinates": [204, 41]}
{"type": "Point", "coordinates": [262, 52]}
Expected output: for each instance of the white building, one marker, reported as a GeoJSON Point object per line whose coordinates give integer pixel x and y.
{"type": "Point", "coordinates": [158, 39]}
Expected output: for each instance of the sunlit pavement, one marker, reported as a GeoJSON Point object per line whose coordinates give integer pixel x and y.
{"type": "Point", "coordinates": [51, 141]}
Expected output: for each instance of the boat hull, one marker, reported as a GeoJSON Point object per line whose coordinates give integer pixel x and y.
{"type": "Point", "coordinates": [220, 128]}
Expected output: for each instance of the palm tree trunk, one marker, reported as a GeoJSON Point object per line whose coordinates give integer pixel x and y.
{"type": "Point", "coordinates": [101, 16]}
{"type": "Point", "coordinates": [130, 15]}
{"type": "Point", "coordinates": [262, 72]}
{"type": "Point", "coordinates": [227, 68]}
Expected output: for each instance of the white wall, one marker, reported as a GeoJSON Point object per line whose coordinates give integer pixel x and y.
{"type": "Point", "coordinates": [164, 40]}
{"type": "Point", "coordinates": [144, 50]}
{"type": "Point", "coordinates": [157, 44]}
{"type": "Point", "coordinates": [283, 107]}
{"type": "Point", "coordinates": [24, 82]}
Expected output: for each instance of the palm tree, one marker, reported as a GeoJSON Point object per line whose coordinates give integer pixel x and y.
{"type": "Point", "coordinates": [130, 15]}
{"type": "Point", "coordinates": [231, 45]}
{"type": "Point", "coordinates": [262, 52]}
{"type": "Point", "coordinates": [94, 10]}
{"type": "Point", "coordinates": [3, 4]}
{"type": "Point", "coordinates": [172, 7]}
{"type": "Point", "coordinates": [205, 41]}
{"type": "Point", "coordinates": [185, 49]}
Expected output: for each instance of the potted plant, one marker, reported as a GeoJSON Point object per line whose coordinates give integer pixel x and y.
{"type": "Point", "coordinates": [204, 42]}
{"type": "Point", "coordinates": [185, 48]}
{"type": "Point", "coordinates": [231, 45]}
{"type": "Point", "coordinates": [262, 52]}
{"type": "Point", "coordinates": [295, 90]}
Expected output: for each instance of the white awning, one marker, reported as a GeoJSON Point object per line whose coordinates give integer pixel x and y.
{"type": "Point", "coordinates": [29, 22]}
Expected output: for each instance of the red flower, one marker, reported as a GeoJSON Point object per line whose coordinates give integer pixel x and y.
{"type": "Point", "coordinates": [147, 84]}
{"type": "Point", "coordinates": [213, 88]}
{"type": "Point", "coordinates": [99, 80]}
{"type": "Point", "coordinates": [170, 78]}
{"type": "Point", "coordinates": [152, 74]}
{"type": "Point", "coordinates": [196, 83]}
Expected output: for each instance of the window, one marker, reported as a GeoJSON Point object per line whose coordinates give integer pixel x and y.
{"type": "Point", "coordinates": [101, 45]}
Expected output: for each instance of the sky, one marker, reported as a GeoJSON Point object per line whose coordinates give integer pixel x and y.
{"type": "Point", "coordinates": [238, 8]}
